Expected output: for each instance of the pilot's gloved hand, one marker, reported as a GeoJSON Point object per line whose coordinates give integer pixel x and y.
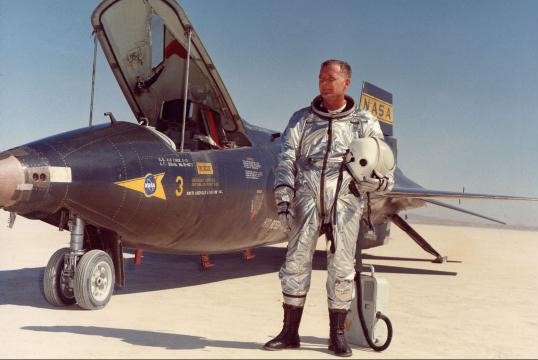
{"type": "Point", "coordinates": [284, 193]}
{"type": "Point", "coordinates": [376, 183]}
{"type": "Point", "coordinates": [284, 215]}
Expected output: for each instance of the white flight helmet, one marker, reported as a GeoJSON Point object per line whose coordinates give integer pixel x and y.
{"type": "Point", "coordinates": [369, 157]}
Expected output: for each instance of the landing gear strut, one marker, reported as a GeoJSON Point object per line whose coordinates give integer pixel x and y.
{"type": "Point", "coordinates": [402, 224]}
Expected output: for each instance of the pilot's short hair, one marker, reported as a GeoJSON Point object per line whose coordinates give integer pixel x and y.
{"type": "Point", "coordinates": [344, 66]}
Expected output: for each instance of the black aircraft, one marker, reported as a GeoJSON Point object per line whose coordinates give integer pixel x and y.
{"type": "Point", "coordinates": [191, 177]}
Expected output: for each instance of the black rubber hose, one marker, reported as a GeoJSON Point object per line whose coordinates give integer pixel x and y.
{"type": "Point", "coordinates": [379, 315]}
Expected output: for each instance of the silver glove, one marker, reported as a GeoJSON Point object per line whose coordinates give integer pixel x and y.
{"type": "Point", "coordinates": [284, 215]}
{"type": "Point", "coordinates": [284, 193]}
{"type": "Point", "coordinates": [375, 184]}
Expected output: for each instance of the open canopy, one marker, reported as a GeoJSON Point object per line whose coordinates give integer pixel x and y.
{"type": "Point", "coordinates": [146, 43]}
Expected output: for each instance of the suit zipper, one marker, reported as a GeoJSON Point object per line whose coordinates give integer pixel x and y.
{"type": "Point", "coordinates": [323, 168]}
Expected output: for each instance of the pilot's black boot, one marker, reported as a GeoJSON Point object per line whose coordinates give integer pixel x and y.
{"type": "Point", "coordinates": [337, 341]}
{"type": "Point", "coordinates": [289, 336]}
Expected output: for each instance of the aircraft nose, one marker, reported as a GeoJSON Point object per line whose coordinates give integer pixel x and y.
{"type": "Point", "coordinates": [11, 175]}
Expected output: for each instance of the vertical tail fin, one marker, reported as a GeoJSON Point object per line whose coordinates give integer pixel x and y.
{"type": "Point", "coordinates": [379, 103]}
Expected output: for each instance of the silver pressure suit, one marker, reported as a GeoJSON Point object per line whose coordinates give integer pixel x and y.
{"type": "Point", "coordinates": [308, 170]}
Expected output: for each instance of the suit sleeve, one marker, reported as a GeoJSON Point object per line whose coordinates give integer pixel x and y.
{"type": "Point", "coordinates": [285, 170]}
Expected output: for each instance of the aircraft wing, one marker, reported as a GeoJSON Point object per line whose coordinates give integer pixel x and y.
{"type": "Point", "coordinates": [421, 193]}
{"type": "Point", "coordinates": [407, 198]}
{"type": "Point", "coordinates": [404, 187]}
{"type": "Point", "coordinates": [407, 194]}
{"type": "Point", "coordinates": [457, 208]}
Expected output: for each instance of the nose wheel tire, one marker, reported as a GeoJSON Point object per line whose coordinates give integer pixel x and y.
{"type": "Point", "coordinates": [55, 292]}
{"type": "Point", "coordinates": [94, 280]}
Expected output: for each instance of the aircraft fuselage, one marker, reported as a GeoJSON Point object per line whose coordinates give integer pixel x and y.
{"type": "Point", "coordinates": [124, 177]}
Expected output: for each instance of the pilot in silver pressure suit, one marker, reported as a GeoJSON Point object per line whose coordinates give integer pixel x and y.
{"type": "Point", "coordinates": [314, 196]}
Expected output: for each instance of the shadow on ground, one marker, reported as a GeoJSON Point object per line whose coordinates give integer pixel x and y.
{"type": "Point", "coordinates": [149, 338]}
{"type": "Point", "coordinates": [172, 341]}
{"type": "Point", "coordinates": [162, 271]}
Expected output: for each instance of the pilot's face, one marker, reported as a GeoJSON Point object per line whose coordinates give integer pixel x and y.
{"type": "Point", "coordinates": [332, 82]}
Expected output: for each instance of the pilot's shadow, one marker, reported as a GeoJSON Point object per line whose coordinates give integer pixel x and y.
{"type": "Point", "coordinates": [149, 338]}
{"type": "Point", "coordinates": [171, 341]}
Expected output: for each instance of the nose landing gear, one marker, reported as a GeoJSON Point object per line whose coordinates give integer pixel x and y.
{"type": "Point", "coordinates": [73, 276]}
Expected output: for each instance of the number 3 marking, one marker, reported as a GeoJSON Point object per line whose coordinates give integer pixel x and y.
{"type": "Point", "coordinates": [179, 186]}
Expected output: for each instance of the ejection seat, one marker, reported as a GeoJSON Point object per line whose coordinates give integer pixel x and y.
{"type": "Point", "coordinates": [170, 119]}
{"type": "Point", "coordinates": [203, 129]}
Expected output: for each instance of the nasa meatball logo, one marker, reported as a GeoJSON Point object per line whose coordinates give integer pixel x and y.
{"type": "Point", "coordinates": [150, 185]}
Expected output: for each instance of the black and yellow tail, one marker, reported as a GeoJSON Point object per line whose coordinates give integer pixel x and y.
{"type": "Point", "coordinates": [379, 103]}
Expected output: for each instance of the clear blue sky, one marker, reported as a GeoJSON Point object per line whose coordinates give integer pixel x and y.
{"type": "Point", "coordinates": [464, 75]}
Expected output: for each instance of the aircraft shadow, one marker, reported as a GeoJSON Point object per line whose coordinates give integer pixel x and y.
{"type": "Point", "coordinates": [174, 271]}
{"type": "Point", "coordinates": [164, 271]}
{"type": "Point", "coordinates": [168, 341]}
{"type": "Point", "coordinates": [23, 287]}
